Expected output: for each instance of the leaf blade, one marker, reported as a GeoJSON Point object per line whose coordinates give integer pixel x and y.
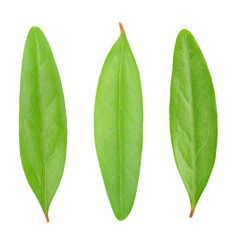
{"type": "Point", "coordinates": [42, 119]}
{"type": "Point", "coordinates": [193, 116]}
{"type": "Point", "coordinates": [118, 120]}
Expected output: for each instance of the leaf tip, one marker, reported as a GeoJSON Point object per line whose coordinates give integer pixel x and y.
{"type": "Point", "coordinates": [121, 218]}
{"type": "Point", "coordinates": [191, 212]}
{"type": "Point", "coordinates": [185, 32]}
{"type": "Point", "coordinates": [47, 218]}
{"type": "Point", "coordinates": [35, 29]}
{"type": "Point", "coordinates": [121, 27]}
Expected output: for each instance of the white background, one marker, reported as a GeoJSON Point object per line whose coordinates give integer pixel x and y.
{"type": "Point", "coordinates": [81, 34]}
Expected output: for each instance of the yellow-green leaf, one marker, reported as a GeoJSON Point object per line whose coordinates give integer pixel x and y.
{"type": "Point", "coordinates": [118, 126]}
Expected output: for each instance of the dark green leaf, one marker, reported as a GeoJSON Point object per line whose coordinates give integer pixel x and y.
{"type": "Point", "coordinates": [193, 116]}
{"type": "Point", "coordinates": [42, 119]}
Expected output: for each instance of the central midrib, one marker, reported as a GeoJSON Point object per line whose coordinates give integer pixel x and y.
{"type": "Point", "coordinates": [192, 104]}
{"type": "Point", "coordinates": [43, 138]}
{"type": "Point", "coordinates": [119, 137]}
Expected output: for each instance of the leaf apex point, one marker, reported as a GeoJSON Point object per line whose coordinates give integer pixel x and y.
{"type": "Point", "coordinates": [35, 28]}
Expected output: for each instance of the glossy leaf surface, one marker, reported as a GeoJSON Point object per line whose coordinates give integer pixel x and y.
{"type": "Point", "coordinates": [42, 119]}
{"type": "Point", "coordinates": [118, 126]}
{"type": "Point", "coordinates": [193, 116]}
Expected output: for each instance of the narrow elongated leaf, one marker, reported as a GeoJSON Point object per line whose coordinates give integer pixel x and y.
{"type": "Point", "coordinates": [42, 119]}
{"type": "Point", "coordinates": [118, 126]}
{"type": "Point", "coordinates": [193, 116]}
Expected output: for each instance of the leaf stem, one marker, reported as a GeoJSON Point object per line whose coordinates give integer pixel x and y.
{"type": "Point", "coordinates": [47, 218]}
{"type": "Point", "coordinates": [191, 212]}
{"type": "Point", "coordinates": [121, 27]}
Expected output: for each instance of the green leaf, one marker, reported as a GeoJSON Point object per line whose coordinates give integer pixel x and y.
{"type": "Point", "coordinates": [42, 119]}
{"type": "Point", "coordinates": [118, 126]}
{"type": "Point", "coordinates": [193, 116]}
